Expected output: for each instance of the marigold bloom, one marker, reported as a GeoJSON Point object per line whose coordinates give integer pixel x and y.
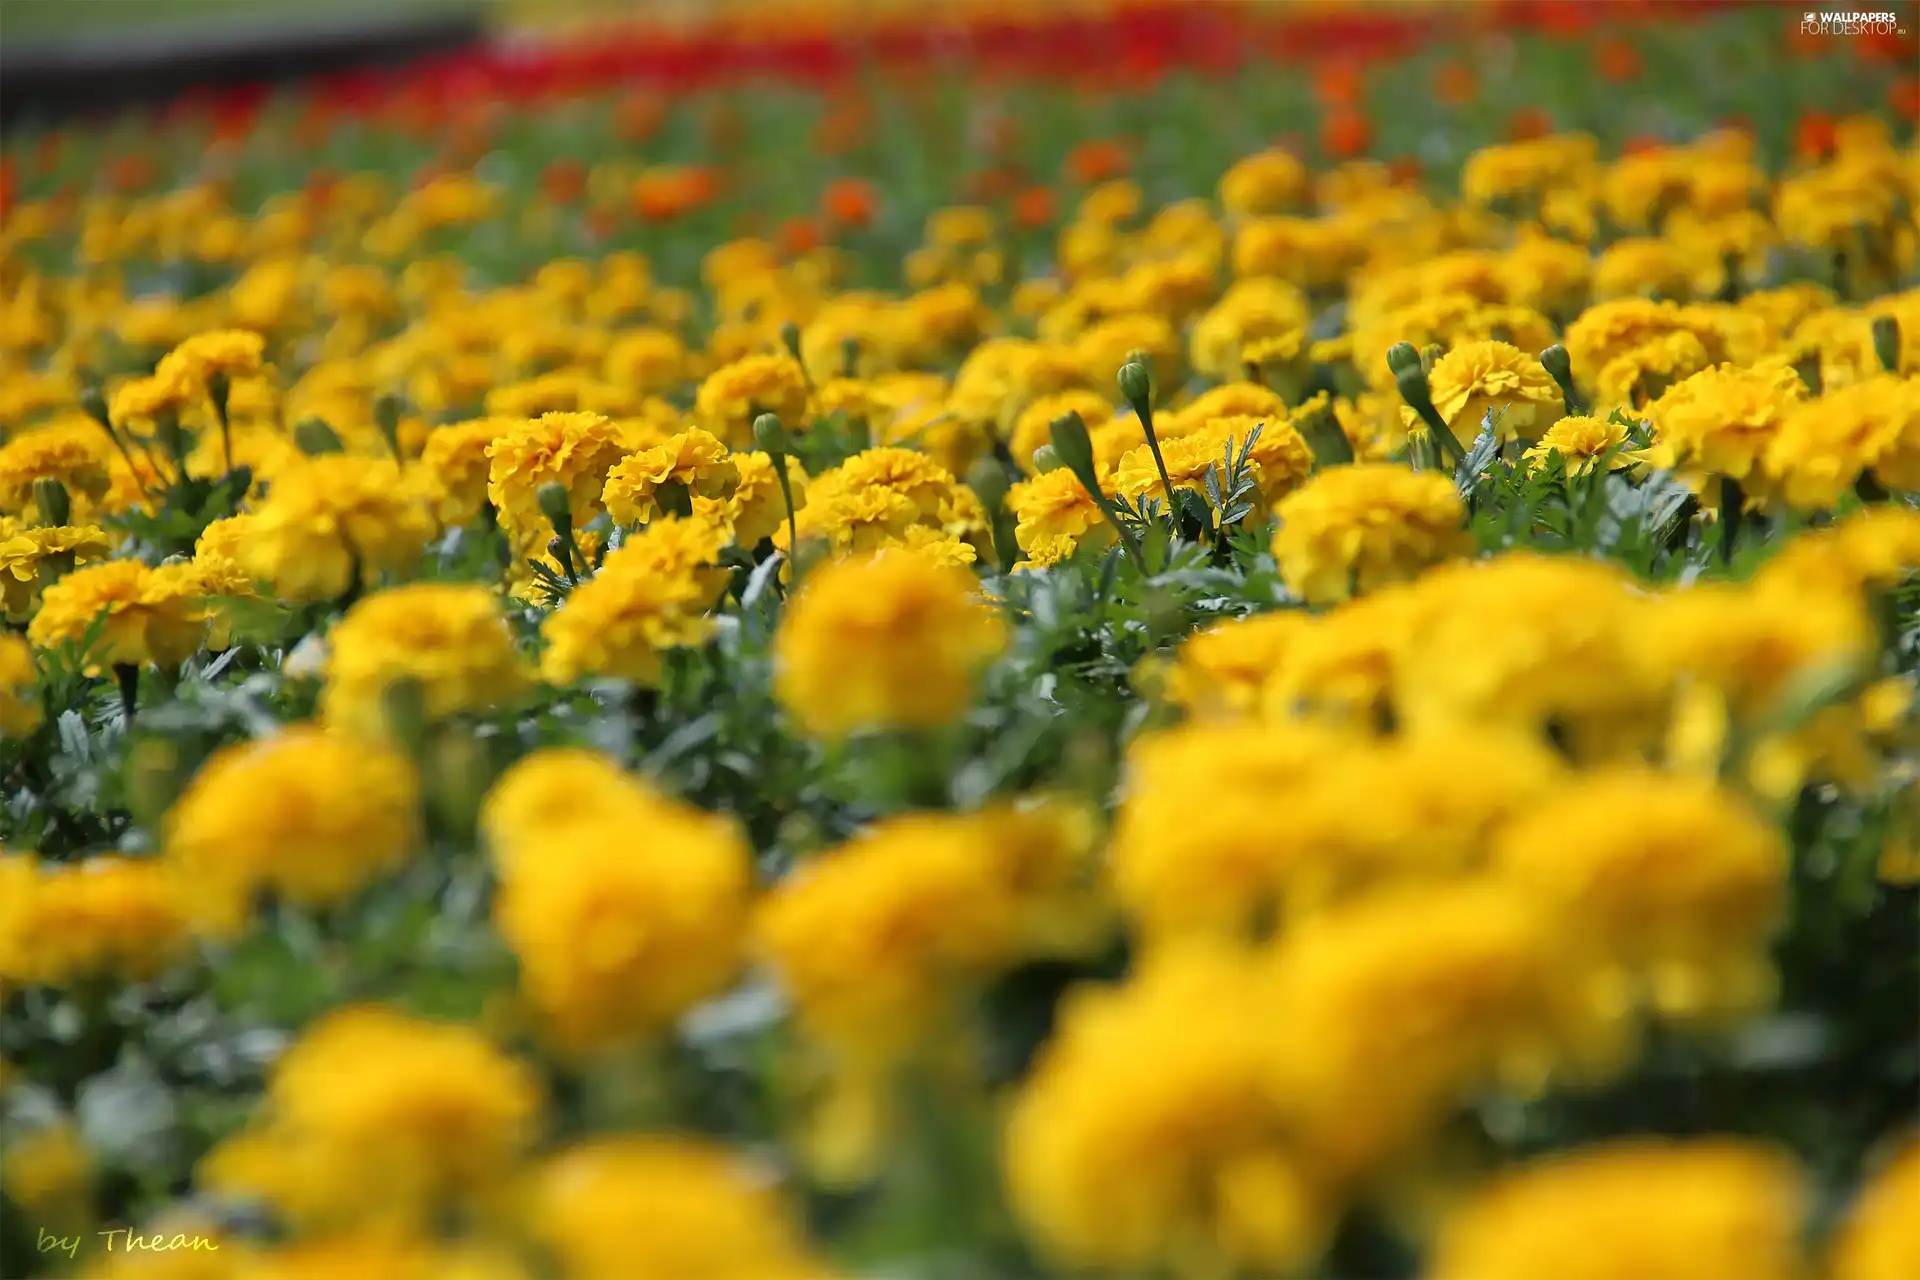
{"type": "Point", "coordinates": [373, 1117]}
{"type": "Point", "coordinates": [456, 457]}
{"type": "Point", "coordinates": [20, 711]}
{"type": "Point", "coordinates": [733, 396]}
{"type": "Point", "coordinates": [573, 450]}
{"type": "Point", "coordinates": [1134, 1145]}
{"type": "Point", "coordinates": [231, 353]}
{"type": "Point", "coordinates": [1823, 446]}
{"type": "Point", "coordinates": [650, 595]}
{"type": "Point", "coordinates": [335, 521]}
{"type": "Point", "coordinates": [1358, 527]}
{"type": "Point", "coordinates": [150, 615]}
{"type": "Point", "coordinates": [100, 917]}
{"type": "Point", "coordinates": [1722, 420]}
{"type": "Point", "coordinates": [1878, 1240]}
{"type": "Point", "coordinates": [1054, 516]}
{"type": "Point", "coordinates": [612, 1208]}
{"type": "Point", "coordinates": [551, 788]}
{"type": "Point", "coordinates": [1219, 672]}
{"type": "Point", "coordinates": [614, 939]}
{"type": "Point", "coordinates": [308, 815]}
{"type": "Point", "coordinates": [1267, 183]}
{"type": "Point", "coordinates": [889, 641]}
{"type": "Point", "coordinates": [1472, 380]}
{"type": "Point", "coordinates": [73, 453]}
{"type": "Point", "coordinates": [1709, 1207]}
{"type": "Point", "coordinates": [50, 1173]}
{"type": "Point", "coordinates": [695, 460]}
{"type": "Point", "coordinates": [1581, 443]}
{"type": "Point", "coordinates": [446, 640]}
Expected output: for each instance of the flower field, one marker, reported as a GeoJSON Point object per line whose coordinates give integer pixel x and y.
{"type": "Point", "coordinates": [1192, 641]}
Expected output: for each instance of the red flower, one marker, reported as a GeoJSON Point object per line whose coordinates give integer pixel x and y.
{"type": "Point", "coordinates": [661, 195]}
{"type": "Point", "coordinates": [1528, 123]}
{"type": "Point", "coordinates": [1813, 136]}
{"type": "Point", "coordinates": [1903, 96]}
{"type": "Point", "coordinates": [1346, 134]}
{"type": "Point", "coordinates": [1617, 60]}
{"type": "Point", "coordinates": [1093, 162]}
{"type": "Point", "coordinates": [849, 202]}
{"type": "Point", "coordinates": [1034, 208]}
{"type": "Point", "coordinates": [1456, 84]}
{"type": "Point", "coordinates": [563, 180]}
{"type": "Point", "coordinates": [799, 235]}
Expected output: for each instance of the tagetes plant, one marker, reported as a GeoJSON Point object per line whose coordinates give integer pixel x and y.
{"type": "Point", "coordinates": [1052, 663]}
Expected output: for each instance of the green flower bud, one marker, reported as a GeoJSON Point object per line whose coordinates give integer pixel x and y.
{"type": "Point", "coordinates": [1403, 358]}
{"type": "Point", "coordinates": [557, 505]}
{"type": "Point", "coordinates": [94, 401]}
{"type": "Point", "coordinates": [790, 338]}
{"type": "Point", "coordinates": [1136, 383]}
{"type": "Point", "coordinates": [1046, 458]}
{"type": "Point", "coordinates": [672, 498]}
{"type": "Point", "coordinates": [988, 479]}
{"type": "Point", "coordinates": [51, 499]}
{"type": "Point", "coordinates": [769, 435]}
{"type": "Point", "coordinates": [1886, 342]}
{"type": "Point", "coordinates": [315, 438]}
{"type": "Point", "coordinates": [1074, 447]}
{"type": "Point", "coordinates": [386, 413]}
{"type": "Point", "coordinates": [1559, 365]}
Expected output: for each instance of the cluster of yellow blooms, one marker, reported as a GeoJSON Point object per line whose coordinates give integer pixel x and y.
{"type": "Point", "coordinates": [1453, 826]}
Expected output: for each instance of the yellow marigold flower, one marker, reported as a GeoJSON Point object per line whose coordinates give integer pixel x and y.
{"type": "Point", "coordinates": [1249, 311]}
{"type": "Point", "coordinates": [1549, 274]}
{"type": "Point", "coordinates": [1034, 426]}
{"type": "Point", "coordinates": [1187, 459]}
{"type": "Point", "coordinates": [373, 1117]}
{"type": "Point", "coordinates": [733, 395]}
{"type": "Point", "coordinates": [1609, 329]}
{"type": "Point", "coordinates": [650, 595]}
{"type": "Point", "coordinates": [1879, 1240]}
{"type": "Point", "coordinates": [616, 940]}
{"type": "Point", "coordinates": [1219, 673]}
{"type": "Point", "coordinates": [1054, 515]}
{"type": "Point", "coordinates": [20, 711]}
{"type": "Point", "coordinates": [151, 615]}
{"type": "Point", "coordinates": [1686, 1210]}
{"type": "Point", "coordinates": [1148, 1134]}
{"type": "Point", "coordinates": [456, 457]}
{"type": "Point", "coordinates": [1642, 267]}
{"type": "Point", "coordinates": [873, 497]}
{"type": "Point", "coordinates": [232, 353]}
{"type": "Point", "coordinates": [613, 1208]}
{"type": "Point", "coordinates": [308, 815]}
{"type": "Point", "coordinates": [1722, 420]}
{"type": "Point", "coordinates": [551, 788]}
{"type": "Point", "coordinates": [446, 640]}
{"type": "Point", "coordinates": [695, 460]}
{"type": "Point", "coordinates": [1875, 548]}
{"type": "Point", "coordinates": [1671, 878]}
{"type": "Point", "coordinates": [1581, 443]}
{"type": "Point", "coordinates": [143, 399]}
{"type": "Point", "coordinates": [560, 392]}
{"type": "Point", "coordinates": [1233, 399]}
{"type": "Point", "coordinates": [757, 508]}
{"type": "Point", "coordinates": [1218, 866]}
{"type": "Point", "coordinates": [1823, 446]}
{"type": "Point", "coordinates": [1645, 372]}
{"type": "Point", "coordinates": [1396, 1006]}
{"type": "Point", "coordinates": [889, 641]}
{"type": "Point", "coordinates": [1355, 528]}
{"type": "Point", "coordinates": [1104, 347]}
{"type": "Point", "coordinates": [1541, 645]}
{"type": "Point", "coordinates": [50, 1174]}
{"type": "Point", "coordinates": [23, 551]}
{"type": "Point", "coordinates": [73, 453]}
{"type": "Point", "coordinates": [336, 520]}
{"type": "Point", "coordinates": [100, 917]}
{"type": "Point", "coordinates": [648, 361]}
{"type": "Point", "coordinates": [1263, 184]}
{"type": "Point", "coordinates": [573, 450]}
{"type": "Point", "coordinates": [1312, 253]}
{"type": "Point", "coordinates": [1528, 168]}
{"type": "Point", "coordinates": [1472, 380]}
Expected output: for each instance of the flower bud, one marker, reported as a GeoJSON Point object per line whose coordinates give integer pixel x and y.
{"type": "Point", "coordinates": [1403, 358]}
{"type": "Point", "coordinates": [1074, 447]}
{"type": "Point", "coordinates": [1136, 382]}
{"type": "Point", "coordinates": [988, 479]}
{"type": "Point", "coordinates": [1046, 458]}
{"type": "Point", "coordinates": [51, 500]}
{"type": "Point", "coordinates": [1886, 342]}
{"type": "Point", "coordinates": [315, 437]}
{"type": "Point", "coordinates": [557, 506]}
{"type": "Point", "coordinates": [672, 498]}
{"type": "Point", "coordinates": [790, 338]}
{"type": "Point", "coordinates": [386, 414]}
{"type": "Point", "coordinates": [769, 435]}
{"type": "Point", "coordinates": [218, 386]}
{"type": "Point", "coordinates": [403, 706]}
{"type": "Point", "coordinates": [94, 401]}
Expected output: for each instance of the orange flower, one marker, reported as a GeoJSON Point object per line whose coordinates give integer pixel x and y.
{"type": "Point", "coordinates": [1034, 208]}
{"type": "Point", "coordinates": [849, 202]}
{"type": "Point", "coordinates": [799, 235]}
{"type": "Point", "coordinates": [1456, 84]}
{"type": "Point", "coordinates": [638, 116]}
{"type": "Point", "coordinates": [1903, 97]}
{"type": "Point", "coordinates": [563, 181]}
{"type": "Point", "coordinates": [1813, 136]}
{"type": "Point", "coordinates": [666, 193]}
{"type": "Point", "coordinates": [1617, 60]}
{"type": "Point", "coordinates": [1096, 162]}
{"type": "Point", "coordinates": [1346, 134]}
{"type": "Point", "coordinates": [1529, 123]}
{"type": "Point", "coordinates": [1339, 84]}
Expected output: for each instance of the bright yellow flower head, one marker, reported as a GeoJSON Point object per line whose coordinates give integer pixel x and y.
{"type": "Point", "coordinates": [1219, 672]}
{"type": "Point", "coordinates": [1641, 1208]}
{"type": "Point", "coordinates": [100, 917]}
{"type": "Point", "coordinates": [74, 453]}
{"type": "Point", "coordinates": [1823, 446]}
{"type": "Point", "coordinates": [232, 353]}
{"type": "Point", "coordinates": [1355, 528]}
{"type": "Point", "coordinates": [1148, 1134]}
{"type": "Point", "coordinates": [573, 450]}
{"type": "Point", "coordinates": [1581, 442]}
{"type": "Point", "coordinates": [337, 520]}
{"type": "Point", "coordinates": [308, 815]}
{"type": "Point", "coordinates": [20, 712]}
{"type": "Point", "coordinates": [448, 640]}
{"type": "Point", "coordinates": [889, 641]}
{"type": "Point", "coordinates": [757, 508]}
{"type": "Point", "coordinates": [151, 615]}
{"type": "Point", "coordinates": [616, 939]}
{"type": "Point", "coordinates": [614, 1208]}
{"type": "Point", "coordinates": [1671, 878]}
{"type": "Point", "coordinates": [456, 457]}
{"type": "Point", "coordinates": [1472, 380]}
{"type": "Point", "coordinates": [1267, 183]}
{"type": "Point", "coordinates": [50, 1174]}
{"type": "Point", "coordinates": [373, 1117]}
{"type": "Point", "coordinates": [1034, 425]}
{"type": "Point", "coordinates": [732, 396]}
{"type": "Point", "coordinates": [1879, 1240]}
{"type": "Point", "coordinates": [650, 595]}
{"type": "Point", "coordinates": [1722, 420]}
{"type": "Point", "coordinates": [694, 460]}
{"type": "Point", "coordinates": [1054, 515]}
{"type": "Point", "coordinates": [552, 787]}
